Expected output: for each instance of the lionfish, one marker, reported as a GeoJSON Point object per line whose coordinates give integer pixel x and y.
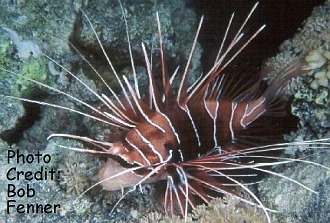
{"type": "Point", "coordinates": [202, 140]}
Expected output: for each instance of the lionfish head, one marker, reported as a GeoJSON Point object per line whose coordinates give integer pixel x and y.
{"type": "Point", "coordinates": [133, 160]}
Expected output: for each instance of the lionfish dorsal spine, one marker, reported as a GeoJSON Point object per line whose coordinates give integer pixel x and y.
{"type": "Point", "coordinates": [167, 87]}
{"type": "Point", "coordinates": [221, 63]}
{"type": "Point", "coordinates": [182, 92]}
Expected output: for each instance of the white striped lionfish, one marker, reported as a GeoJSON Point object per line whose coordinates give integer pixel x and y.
{"type": "Point", "coordinates": [202, 140]}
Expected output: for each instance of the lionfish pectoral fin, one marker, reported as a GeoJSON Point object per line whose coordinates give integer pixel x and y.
{"type": "Point", "coordinates": [112, 168]}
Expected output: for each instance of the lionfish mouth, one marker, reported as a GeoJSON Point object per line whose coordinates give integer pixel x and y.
{"type": "Point", "coordinates": [201, 140]}
{"type": "Point", "coordinates": [114, 168]}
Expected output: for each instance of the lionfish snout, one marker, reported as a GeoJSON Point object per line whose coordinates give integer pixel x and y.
{"type": "Point", "coordinates": [123, 169]}
{"type": "Point", "coordinates": [114, 176]}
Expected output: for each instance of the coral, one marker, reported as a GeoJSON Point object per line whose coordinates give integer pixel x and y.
{"type": "Point", "coordinates": [311, 105]}
{"type": "Point", "coordinates": [315, 59]}
{"type": "Point", "coordinates": [315, 32]}
{"type": "Point", "coordinates": [311, 95]}
{"type": "Point", "coordinates": [78, 170]}
{"type": "Point", "coordinates": [220, 210]}
{"type": "Point", "coordinates": [319, 67]}
{"type": "Point", "coordinates": [74, 178]}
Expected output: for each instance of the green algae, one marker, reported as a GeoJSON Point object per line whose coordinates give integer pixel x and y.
{"type": "Point", "coordinates": [16, 82]}
{"type": "Point", "coordinates": [6, 50]}
{"type": "Point", "coordinates": [323, 97]}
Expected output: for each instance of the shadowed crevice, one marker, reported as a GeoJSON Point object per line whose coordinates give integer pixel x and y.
{"type": "Point", "coordinates": [32, 114]}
